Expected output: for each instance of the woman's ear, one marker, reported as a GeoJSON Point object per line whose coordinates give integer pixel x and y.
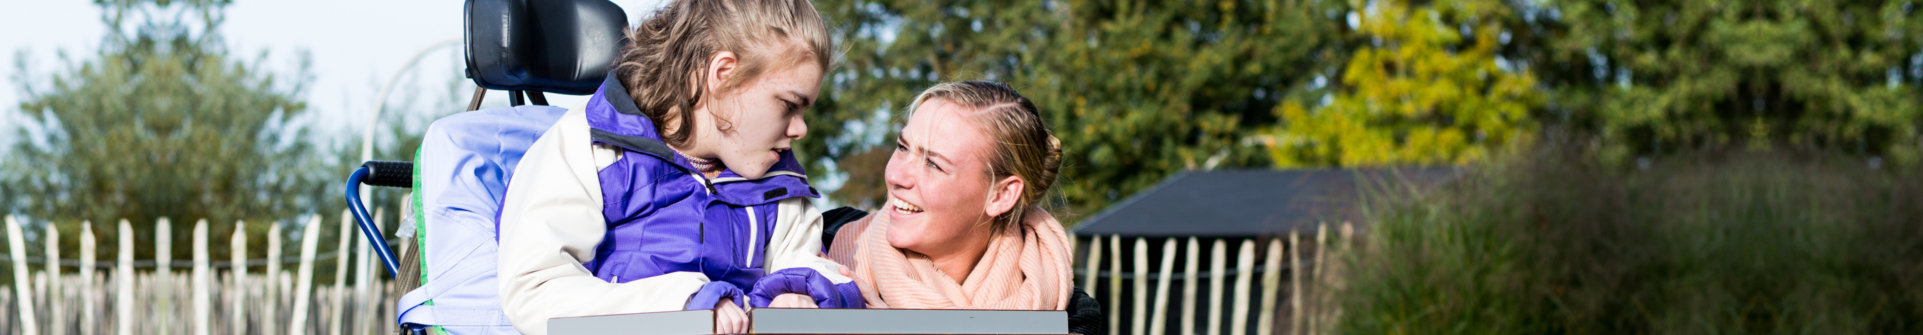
{"type": "Point", "coordinates": [1003, 196]}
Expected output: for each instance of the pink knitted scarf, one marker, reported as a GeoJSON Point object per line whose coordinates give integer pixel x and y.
{"type": "Point", "coordinates": [1022, 269]}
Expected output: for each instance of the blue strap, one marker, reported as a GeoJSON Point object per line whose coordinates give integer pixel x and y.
{"type": "Point", "coordinates": [415, 310]}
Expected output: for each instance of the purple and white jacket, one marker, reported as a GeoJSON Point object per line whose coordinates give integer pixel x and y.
{"type": "Point", "coordinates": [602, 218]}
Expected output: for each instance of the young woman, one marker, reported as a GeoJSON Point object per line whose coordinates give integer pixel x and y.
{"type": "Point", "coordinates": [961, 229]}
{"type": "Point", "coordinates": [673, 187]}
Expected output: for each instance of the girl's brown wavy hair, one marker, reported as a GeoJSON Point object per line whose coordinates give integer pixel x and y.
{"type": "Point", "coordinates": [665, 56]}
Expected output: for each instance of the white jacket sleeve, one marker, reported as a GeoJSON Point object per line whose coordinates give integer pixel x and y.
{"type": "Point", "coordinates": [551, 224]}
{"type": "Point", "coordinates": [796, 241]}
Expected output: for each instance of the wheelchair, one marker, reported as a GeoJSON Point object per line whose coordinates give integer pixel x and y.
{"type": "Point", "coordinates": [459, 176]}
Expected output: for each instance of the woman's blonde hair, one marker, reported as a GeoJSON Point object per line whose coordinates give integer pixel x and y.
{"type": "Point", "coordinates": [663, 61]}
{"type": "Point", "coordinates": [1024, 148]}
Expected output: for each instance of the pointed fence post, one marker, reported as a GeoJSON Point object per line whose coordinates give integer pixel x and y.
{"type": "Point", "coordinates": [340, 272]}
{"type": "Point", "coordinates": [1245, 266]}
{"type": "Point", "coordinates": [1094, 265]}
{"type": "Point", "coordinates": [50, 280]}
{"type": "Point", "coordinates": [1296, 315]}
{"type": "Point", "coordinates": [124, 281]}
{"type": "Point", "coordinates": [1115, 283]}
{"type": "Point", "coordinates": [270, 313]}
{"type": "Point", "coordinates": [17, 249]}
{"type": "Point", "coordinates": [85, 291]}
{"type": "Point", "coordinates": [203, 281]}
{"type": "Point", "coordinates": [304, 290]}
{"type": "Point", "coordinates": [1159, 322]}
{"type": "Point", "coordinates": [1333, 278]}
{"type": "Point", "coordinates": [237, 302]}
{"type": "Point", "coordinates": [1271, 287]}
{"type": "Point", "coordinates": [1315, 275]}
{"type": "Point", "coordinates": [1218, 269]}
{"type": "Point", "coordinates": [164, 273]}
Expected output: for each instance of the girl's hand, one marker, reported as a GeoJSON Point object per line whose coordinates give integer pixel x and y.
{"type": "Point", "coordinates": [729, 318]}
{"type": "Point", "coordinates": [792, 300]}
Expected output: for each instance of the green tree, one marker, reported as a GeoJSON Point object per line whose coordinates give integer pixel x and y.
{"type": "Point", "coordinates": [1136, 90]}
{"type": "Point", "coordinates": [1663, 76]}
{"type": "Point", "coordinates": [165, 122]}
{"type": "Point", "coordinates": [1428, 89]}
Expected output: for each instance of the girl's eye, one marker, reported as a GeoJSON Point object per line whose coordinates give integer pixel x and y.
{"type": "Point", "coordinates": [931, 163]}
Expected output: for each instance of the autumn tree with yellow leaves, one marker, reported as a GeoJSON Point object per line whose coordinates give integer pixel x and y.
{"type": "Point", "coordinates": [1428, 89]}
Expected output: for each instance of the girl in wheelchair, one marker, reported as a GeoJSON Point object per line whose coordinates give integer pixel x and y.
{"type": "Point", "coordinates": [674, 187]}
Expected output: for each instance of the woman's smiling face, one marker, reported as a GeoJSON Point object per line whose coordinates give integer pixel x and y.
{"type": "Point", "coordinates": [938, 181]}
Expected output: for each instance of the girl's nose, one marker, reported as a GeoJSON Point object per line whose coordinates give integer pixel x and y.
{"type": "Point", "coordinates": [797, 128]}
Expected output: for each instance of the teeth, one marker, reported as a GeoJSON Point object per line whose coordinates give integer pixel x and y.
{"type": "Point", "coordinates": [905, 207]}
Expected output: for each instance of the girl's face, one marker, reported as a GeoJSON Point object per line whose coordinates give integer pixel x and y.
{"type": "Point", "coordinates": [765, 116]}
{"type": "Point", "coordinates": [938, 183]}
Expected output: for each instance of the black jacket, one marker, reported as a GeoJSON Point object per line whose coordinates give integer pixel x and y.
{"type": "Point", "coordinates": [1084, 312]}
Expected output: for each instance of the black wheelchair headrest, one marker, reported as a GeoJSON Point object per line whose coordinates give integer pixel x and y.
{"type": "Point", "coordinates": [558, 46]}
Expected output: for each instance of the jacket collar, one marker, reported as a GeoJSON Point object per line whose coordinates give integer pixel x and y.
{"type": "Point", "coordinates": [614, 119]}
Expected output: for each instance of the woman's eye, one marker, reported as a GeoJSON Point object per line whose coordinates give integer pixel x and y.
{"type": "Point", "coordinates": [931, 163]}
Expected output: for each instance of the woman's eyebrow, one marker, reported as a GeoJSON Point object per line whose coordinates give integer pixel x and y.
{"type": "Point", "coordinates": [902, 140]}
{"type": "Point", "coordinates": [932, 154]}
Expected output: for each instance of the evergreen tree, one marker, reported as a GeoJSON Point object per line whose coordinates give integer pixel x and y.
{"type": "Point", "coordinates": [1658, 76]}
{"type": "Point", "coordinates": [165, 122]}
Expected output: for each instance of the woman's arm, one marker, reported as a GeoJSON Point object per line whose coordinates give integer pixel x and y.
{"type": "Point", "coordinates": [551, 224]}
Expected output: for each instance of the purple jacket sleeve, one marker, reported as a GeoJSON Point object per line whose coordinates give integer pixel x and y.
{"type": "Point", "coordinates": [827, 294]}
{"type": "Point", "coordinates": [712, 293]}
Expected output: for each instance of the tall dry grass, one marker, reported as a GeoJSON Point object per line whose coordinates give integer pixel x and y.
{"type": "Point", "coordinates": [1713, 242]}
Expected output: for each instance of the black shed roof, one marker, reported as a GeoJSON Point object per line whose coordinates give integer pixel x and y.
{"type": "Point", "coordinates": [1250, 203]}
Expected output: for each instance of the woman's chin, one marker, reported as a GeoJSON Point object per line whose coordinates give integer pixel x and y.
{"type": "Point", "coordinates": [900, 240]}
{"type": "Point", "coordinates": [902, 234]}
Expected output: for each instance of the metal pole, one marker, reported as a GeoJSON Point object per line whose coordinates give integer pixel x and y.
{"type": "Point", "coordinates": [367, 139]}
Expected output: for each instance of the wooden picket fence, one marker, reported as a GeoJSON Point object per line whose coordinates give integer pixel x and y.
{"type": "Point", "coordinates": [1312, 272]}
{"type": "Point", "coordinates": [210, 299]}
{"type": "Point", "coordinates": [205, 299]}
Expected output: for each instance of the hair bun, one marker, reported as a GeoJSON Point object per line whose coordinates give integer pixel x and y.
{"type": "Point", "coordinates": [1051, 166]}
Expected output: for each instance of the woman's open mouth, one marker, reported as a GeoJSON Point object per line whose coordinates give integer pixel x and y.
{"type": "Point", "coordinates": [903, 207]}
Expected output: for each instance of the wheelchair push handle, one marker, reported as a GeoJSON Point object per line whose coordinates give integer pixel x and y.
{"type": "Point", "coordinates": [377, 173]}
{"type": "Point", "coordinates": [389, 174]}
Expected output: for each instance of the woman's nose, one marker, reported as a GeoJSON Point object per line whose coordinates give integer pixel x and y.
{"type": "Point", "coordinates": [897, 176]}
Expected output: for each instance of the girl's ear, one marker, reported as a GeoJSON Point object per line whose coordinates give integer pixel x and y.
{"type": "Point", "coordinates": [1003, 195]}
{"type": "Point", "coordinates": [721, 67]}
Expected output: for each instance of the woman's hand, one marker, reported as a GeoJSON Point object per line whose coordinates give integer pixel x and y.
{"type": "Point", "coordinates": [792, 300]}
{"type": "Point", "coordinates": [729, 318]}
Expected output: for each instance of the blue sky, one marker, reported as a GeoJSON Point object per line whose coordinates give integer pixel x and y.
{"type": "Point", "coordinates": [355, 46]}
